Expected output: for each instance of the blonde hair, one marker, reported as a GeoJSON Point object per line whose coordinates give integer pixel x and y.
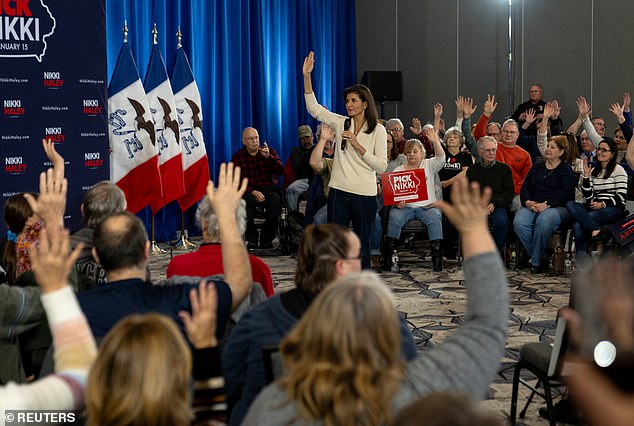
{"type": "Point", "coordinates": [343, 359]}
{"type": "Point", "coordinates": [412, 143]}
{"type": "Point", "coordinates": [141, 375]}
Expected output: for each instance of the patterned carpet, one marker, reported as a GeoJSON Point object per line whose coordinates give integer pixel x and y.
{"type": "Point", "coordinates": [435, 303]}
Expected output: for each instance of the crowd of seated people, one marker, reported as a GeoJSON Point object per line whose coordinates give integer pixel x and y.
{"type": "Point", "coordinates": [348, 356]}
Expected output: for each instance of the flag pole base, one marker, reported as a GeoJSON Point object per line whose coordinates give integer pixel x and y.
{"type": "Point", "coordinates": [156, 249]}
{"type": "Point", "coordinates": [184, 243]}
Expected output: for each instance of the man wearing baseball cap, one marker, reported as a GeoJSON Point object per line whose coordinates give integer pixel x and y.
{"type": "Point", "coordinates": [299, 163]}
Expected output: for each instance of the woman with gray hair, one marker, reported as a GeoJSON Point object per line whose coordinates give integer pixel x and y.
{"type": "Point", "coordinates": [207, 260]}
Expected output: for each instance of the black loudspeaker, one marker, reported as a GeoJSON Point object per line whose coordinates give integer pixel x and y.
{"type": "Point", "coordinates": [384, 85]}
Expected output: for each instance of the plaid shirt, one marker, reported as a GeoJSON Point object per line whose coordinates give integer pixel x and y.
{"type": "Point", "coordinates": [261, 172]}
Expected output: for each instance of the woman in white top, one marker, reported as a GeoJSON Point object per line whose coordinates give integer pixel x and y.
{"type": "Point", "coordinates": [431, 216]}
{"type": "Point", "coordinates": [360, 153]}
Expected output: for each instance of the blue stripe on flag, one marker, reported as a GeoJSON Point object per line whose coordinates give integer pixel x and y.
{"type": "Point", "coordinates": [125, 71]}
{"type": "Point", "coordinates": [182, 73]}
{"type": "Point", "coordinates": [156, 73]}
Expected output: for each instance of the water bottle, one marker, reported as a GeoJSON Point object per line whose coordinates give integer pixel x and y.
{"type": "Point", "coordinates": [567, 266]}
{"type": "Point", "coordinates": [395, 259]}
{"type": "Point", "coordinates": [513, 262]}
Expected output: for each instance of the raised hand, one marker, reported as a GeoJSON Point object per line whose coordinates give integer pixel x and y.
{"type": "Point", "coordinates": [548, 111]}
{"type": "Point", "coordinates": [556, 109]}
{"type": "Point", "coordinates": [530, 116]}
{"type": "Point", "coordinates": [417, 127]}
{"type": "Point", "coordinates": [490, 105]}
{"type": "Point", "coordinates": [201, 324]}
{"type": "Point", "coordinates": [583, 106]}
{"type": "Point", "coordinates": [626, 101]}
{"type": "Point", "coordinates": [459, 107]}
{"type": "Point", "coordinates": [55, 158]}
{"type": "Point", "coordinates": [327, 132]}
{"type": "Point", "coordinates": [226, 198]}
{"type": "Point", "coordinates": [51, 203]}
{"type": "Point", "coordinates": [468, 107]}
{"type": "Point", "coordinates": [437, 110]}
{"type": "Point", "coordinates": [617, 110]}
{"type": "Point", "coordinates": [586, 167]}
{"type": "Point", "coordinates": [51, 260]}
{"type": "Point", "coordinates": [309, 64]}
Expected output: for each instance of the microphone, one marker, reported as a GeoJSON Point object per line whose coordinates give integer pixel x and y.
{"type": "Point", "coordinates": [346, 126]}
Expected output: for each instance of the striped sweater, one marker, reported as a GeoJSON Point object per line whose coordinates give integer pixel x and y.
{"type": "Point", "coordinates": [611, 190]}
{"type": "Point", "coordinates": [75, 351]}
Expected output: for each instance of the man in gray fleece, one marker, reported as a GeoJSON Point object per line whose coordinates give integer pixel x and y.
{"type": "Point", "coordinates": [468, 360]}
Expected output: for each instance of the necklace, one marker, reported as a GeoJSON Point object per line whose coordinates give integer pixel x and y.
{"type": "Point", "coordinates": [356, 132]}
{"type": "Point", "coordinates": [548, 171]}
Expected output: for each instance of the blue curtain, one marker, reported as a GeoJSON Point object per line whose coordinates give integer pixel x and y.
{"type": "Point", "coordinates": [246, 56]}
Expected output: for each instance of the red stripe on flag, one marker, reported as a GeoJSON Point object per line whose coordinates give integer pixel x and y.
{"type": "Point", "coordinates": [196, 178]}
{"type": "Point", "coordinates": [173, 182]}
{"type": "Point", "coordinates": [141, 185]}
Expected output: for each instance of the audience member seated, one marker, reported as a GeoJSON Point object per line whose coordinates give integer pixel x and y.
{"type": "Point", "coordinates": [517, 158]}
{"type": "Point", "coordinates": [121, 247]}
{"type": "Point", "coordinates": [207, 260]}
{"type": "Point", "coordinates": [545, 192]}
{"type": "Point", "coordinates": [403, 212]}
{"type": "Point", "coordinates": [51, 263]}
{"type": "Point", "coordinates": [261, 165]}
{"type": "Point", "coordinates": [456, 164]}
{"type": "Point", "coordinates": [326, 252]}
{"type": "Point", "coordinates": [604, 188]}
{"type": "Point", "coordinates": [342, 360]}
{"type": "Point", "coordinates": [490, 173]}
{"type": "Point", "coordinates": [396, 128]}
{"type": "Point", "coordinates": [535, 102]}
{"type": "Point", "coordinates": [548, 125]}
{"type": "Point", "coordinates": [103, 199]}
{"type": "Point", "coordinates": [320, 162]}
{"type": "Point", "coordinates": [445, 409]}
{"type": "Point", "coordinates": [24, 224]}
{"type": "Point", "coordinates": [299, 171]}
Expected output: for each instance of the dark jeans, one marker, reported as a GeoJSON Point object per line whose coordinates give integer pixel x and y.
{"type": "Point", "coordinates": [273, 207]}
{"type": "Point", "coordinates": [499, 224]}
{"type": "Point", "coordinates": [345, 207]}
{"type": "Point", "coordinates": [587, 220]}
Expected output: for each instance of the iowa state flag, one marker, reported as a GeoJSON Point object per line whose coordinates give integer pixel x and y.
{"type": "Point", "coordinates": [196, 165]}
{"type": "Point", "coordinates": [134, 156]}
{"type": "Point", "coordinates": [163, 108]}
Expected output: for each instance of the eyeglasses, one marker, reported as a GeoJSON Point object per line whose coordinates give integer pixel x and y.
{"type": "Point", "coordinates": [535, 91]}
{"type": "Point", "coordinates": [510, 131]}
{"type": "Point", "coordinates": [396, 129]}
{"type": "Point", "coordinates": [603, 150]}
{"type": "Point", "coordinates": [489, 150]}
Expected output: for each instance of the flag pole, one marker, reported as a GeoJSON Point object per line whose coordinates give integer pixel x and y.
{"type": "Point", "coordinates": [155, 247]}
{"type": "Point", "coordinates": [184, 242]}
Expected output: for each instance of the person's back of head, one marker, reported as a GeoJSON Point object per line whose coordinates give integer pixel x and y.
{"type": "Point", "coordinates": [444, 409]}
{"type": "Point", "coordinates": [208, 222]}
{"type": "Point", "coordinates": [103, 199]}
{"type": "Point", "coordinates": [141, 375]}
{"type": "Point", "coordinates": [120, 242]}
{"type": "Point", "coordinates": [343, 359]}
{"type": "Point", "coordinates": [320, 247]}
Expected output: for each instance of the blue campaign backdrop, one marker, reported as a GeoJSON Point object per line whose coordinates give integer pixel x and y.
{"type": "Point", "coordinates": [246, 56]}
{"type": "Point", "coordinates": [53, 74]}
